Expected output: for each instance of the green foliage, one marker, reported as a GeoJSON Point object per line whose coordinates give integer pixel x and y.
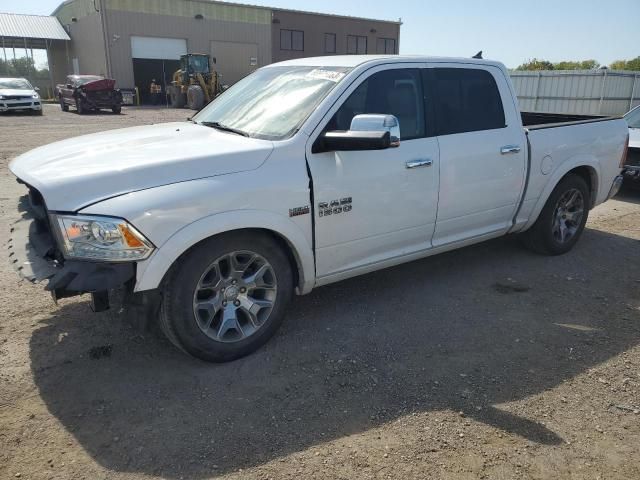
{"type": "Point", "coordinates": [633, 64]}
{"type": "Point", "coordinates": [22, 67]}
{"type": "Point", "coordinates": [538, 64]}
{"type": "Point", "coordinates": [535, 64]}
{"type": "Point", "coordinates": [580, 65]}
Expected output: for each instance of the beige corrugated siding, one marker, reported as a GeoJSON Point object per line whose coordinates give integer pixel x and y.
{"type": "Point", "coordinates": [31, 26]}
{"type": "Point", "coordinates": [74, 9]}
{"type": "Point", "coordinates": [190, 8]}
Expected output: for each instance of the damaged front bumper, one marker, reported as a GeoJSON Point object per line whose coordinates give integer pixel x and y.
{"type": "Point", "coordinates": [35, 257]}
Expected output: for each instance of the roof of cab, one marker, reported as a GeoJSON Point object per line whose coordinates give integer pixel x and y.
{"type": "Point", "coordinates": [352, 61]}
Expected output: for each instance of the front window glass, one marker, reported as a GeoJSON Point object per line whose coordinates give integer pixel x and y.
{"type": "Point", "coordinates": [633, 118]}
{"type": "Point", "coordinates": [273, 102]}
{"type": "Point", "coordinates": [15, 84]}
{"type": "Point", "coordinates": [391, 92]}
{"type": "Point", "coordinates": [199, 64]}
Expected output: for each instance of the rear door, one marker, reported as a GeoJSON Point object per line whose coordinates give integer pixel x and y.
{"type": "Point", "coordinates": [482, 150]}
{"type": "Point", "coordinates": [376, 205]}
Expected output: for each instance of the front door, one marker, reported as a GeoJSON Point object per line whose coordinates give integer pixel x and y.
{"type": "Point", "coordinates": [376, 205]}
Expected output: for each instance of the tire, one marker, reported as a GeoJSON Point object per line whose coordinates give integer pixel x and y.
{"type": "Point", "coordinates": [206, 315]}
{"type": "Point", "coordinates": [80, 107]}
{"type": "Point", "coordinates": [195, 97]}
{"type": "Point", "coordinates": [116, 109]}
{"type": "Point", "coordinates": [63, 106]}
{"type": "Point", "coordinates": [562, 220]}
{"type": "Point", "coordinates": [177, 97]}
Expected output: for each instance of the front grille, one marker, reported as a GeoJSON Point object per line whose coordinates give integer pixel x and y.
{"type": "Point", "coordinates": [22, 104]}
{"type": "Point", "coordinates": [16, 97]}
{"type": "Point", "coordinates": [633, 157]}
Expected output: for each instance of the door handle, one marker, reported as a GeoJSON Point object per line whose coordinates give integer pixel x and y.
{"type": "Point", "coordinates": [507, 149]}
{"type": "Point", "coordinates": [427, 162]}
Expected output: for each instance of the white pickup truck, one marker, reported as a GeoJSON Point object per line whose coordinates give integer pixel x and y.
{"type": "Point", "coordinates": [304, 173]}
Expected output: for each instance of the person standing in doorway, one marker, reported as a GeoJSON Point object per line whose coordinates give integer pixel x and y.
{"type": "Point", "coordinates": [156, 92]}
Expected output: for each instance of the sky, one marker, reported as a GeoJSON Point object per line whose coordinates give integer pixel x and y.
{"type": "Point", "coordinates": [511, 31]}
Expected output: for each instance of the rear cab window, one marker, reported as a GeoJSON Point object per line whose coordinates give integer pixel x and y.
{"type": "Point", "coordinates": [464, 100]}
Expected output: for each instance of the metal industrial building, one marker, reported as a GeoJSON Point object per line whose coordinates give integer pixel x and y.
{"type": "Point", "coordinates": [134, 41]}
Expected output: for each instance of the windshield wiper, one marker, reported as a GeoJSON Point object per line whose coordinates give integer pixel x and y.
{"type": "Point", "coordinates": [224, 128]}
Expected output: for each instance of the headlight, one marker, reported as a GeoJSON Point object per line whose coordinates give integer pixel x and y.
{"type": "Point", "coordinates": [1, 97]}
{"type": "Point", "coordinates": [35, 95]}
{"type": "Point", "coordinates": [101, 238]}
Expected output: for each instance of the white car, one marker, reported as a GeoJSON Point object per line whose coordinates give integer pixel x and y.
{"type": "Point", "coordinates": [632, 166]}
{"type": "Point", "coordinates": [304, 173]}
{"type": "Point", "coordinates": [19, 94]}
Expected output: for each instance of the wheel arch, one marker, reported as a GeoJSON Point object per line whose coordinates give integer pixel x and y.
{"type": "Point", "coordinates": [586, 167]}
{"type": "Point", "coordinates": [287, 234]}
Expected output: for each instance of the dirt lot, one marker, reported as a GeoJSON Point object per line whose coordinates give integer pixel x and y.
{"type": "Point", "coordinates": [488, 362]}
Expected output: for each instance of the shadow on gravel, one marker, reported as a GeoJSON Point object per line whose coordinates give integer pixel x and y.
{"type": "Point", "coordinates": [629, 192]}
{"type": "Point", "coordinates": [431, 335]}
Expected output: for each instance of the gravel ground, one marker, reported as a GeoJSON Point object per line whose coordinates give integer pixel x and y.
{"type": "Point", "coordinates": [487, 362]}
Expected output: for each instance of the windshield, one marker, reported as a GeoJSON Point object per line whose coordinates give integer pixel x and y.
{"type": "Point", "coordinates": [272, 103]}
{"type": "Point", "coordinates": [199, 64]}
{"type": "Point", "coordinates": [15, 83]}
{"type": "Point", "coordinates": [633, 118]}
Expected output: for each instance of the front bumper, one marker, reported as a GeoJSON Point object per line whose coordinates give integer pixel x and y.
{"type": "Point", "coordinates": [35, 257]}
{"type": "Point", "coordinates": [21, 104]}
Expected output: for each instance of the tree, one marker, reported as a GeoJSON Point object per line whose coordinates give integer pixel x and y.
{"type": "Point", "coordinates": [22, 67]}
{"type": "Point", "coordinates": [535, 64]}
{"type": "Point", "coordinates": [579, 65]}
{"type": "Point", "coordinates": [633, 64]}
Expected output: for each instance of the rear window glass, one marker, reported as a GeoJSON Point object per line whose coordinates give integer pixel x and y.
{"type": "Point", "coordinates": [466, 100]}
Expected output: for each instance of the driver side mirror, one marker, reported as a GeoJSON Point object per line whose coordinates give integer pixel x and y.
{"type": "Point", "coordinates": [367, 132]}
{"type": "Point", "coordinates": [37, 89]}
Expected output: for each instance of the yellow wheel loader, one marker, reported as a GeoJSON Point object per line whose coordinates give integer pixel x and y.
{"type": "Point", "coordinates": [196, 83]}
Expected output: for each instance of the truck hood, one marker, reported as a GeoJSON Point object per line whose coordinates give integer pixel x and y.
{"type": "Point", "coordinates": [77, 172]}
{"type": "Point", "coordinates": [634, 138]}
{"type": "Point", "coordinates": [97, 85]}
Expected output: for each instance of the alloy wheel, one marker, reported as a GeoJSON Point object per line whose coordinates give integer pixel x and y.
{"type": "Point", "coordinates": [235, 296]}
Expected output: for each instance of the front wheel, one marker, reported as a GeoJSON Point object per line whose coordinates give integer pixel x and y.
{"type": "Point", "coordinates": [63, 106]}
{"type": "Point", "coordinates": [227, 296]}
{"type": "Point", "coordinates": [562, 219]}
{"type": "Point", "coordinates": [116, 109]}
{"type": "Point", "coordinates": [80, 106]}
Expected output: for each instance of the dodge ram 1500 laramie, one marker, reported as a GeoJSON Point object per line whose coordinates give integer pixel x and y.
{"type": "Point", "coordinates": [304, 173]}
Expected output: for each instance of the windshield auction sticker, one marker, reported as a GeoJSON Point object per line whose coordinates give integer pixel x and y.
{"type": "Point", "coordinates": [330, 75]}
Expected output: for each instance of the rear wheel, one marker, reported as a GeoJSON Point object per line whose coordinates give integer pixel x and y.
{"type": "Point", "coordinates": [116, 109]}
{"type": "Point", "coordinates": [195, 97]}
{"type": "Point", "coordinates": [227, 296]}
{"type": "Point", "coordinates": [562, 219]}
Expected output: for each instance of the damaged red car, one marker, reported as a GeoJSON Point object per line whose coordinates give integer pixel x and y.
{"type": "Point", "coordinates": [89, 93]}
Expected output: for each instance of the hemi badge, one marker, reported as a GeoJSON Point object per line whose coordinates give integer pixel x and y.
{"type": "Point", "coordinates": [294, 212]}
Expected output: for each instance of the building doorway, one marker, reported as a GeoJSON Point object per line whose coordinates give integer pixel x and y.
{"type": "Point", "coordinates": [147, 69]}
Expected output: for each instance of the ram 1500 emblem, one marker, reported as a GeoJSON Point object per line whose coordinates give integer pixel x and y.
{"type": "Point", "coordinates": [335, 207]}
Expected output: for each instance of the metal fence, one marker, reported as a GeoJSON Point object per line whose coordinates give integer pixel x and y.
{"type": "Point", "coordinates": [589, 92]}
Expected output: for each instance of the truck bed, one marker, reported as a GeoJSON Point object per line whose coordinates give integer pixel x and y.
{"type": "Point", "coordinates": [537, 120]}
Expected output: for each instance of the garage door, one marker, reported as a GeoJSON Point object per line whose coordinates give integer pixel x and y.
{"type": "Point", "coordinates": [234, 60]}
{"type": "Point", "coordinates": [158, 48]}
